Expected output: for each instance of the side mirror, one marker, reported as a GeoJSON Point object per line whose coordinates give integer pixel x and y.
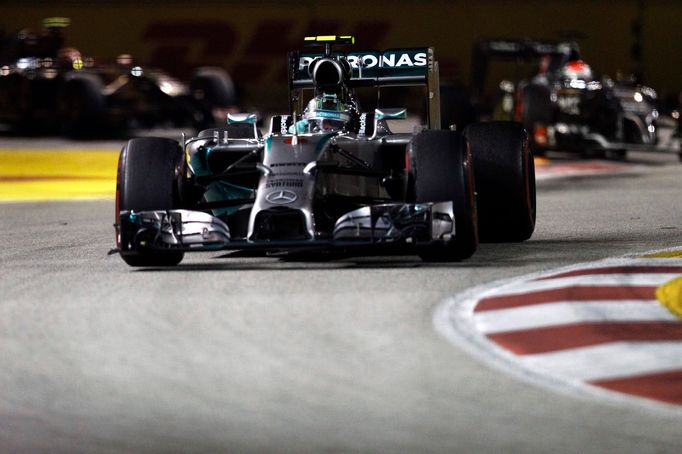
{"type": "Point", "coordinates": [386, 114]}
{"type": "Point", "coordinates": [244, 119]}
{"type": "Point", "coordinates": [390, 114]}
{"type": "Point", "coordinates": [241, 118]}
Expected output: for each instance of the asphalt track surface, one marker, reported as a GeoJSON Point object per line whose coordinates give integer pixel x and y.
{"type": "Point", "coordinates": [227, 353]}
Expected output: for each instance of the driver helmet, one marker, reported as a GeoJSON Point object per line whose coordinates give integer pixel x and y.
{"type": "Point", "coordinates": [67, 57]}
{"type": "Point", "coordinates": [576, 70]}
{"type": "Point", "coordinates": [326, 113]}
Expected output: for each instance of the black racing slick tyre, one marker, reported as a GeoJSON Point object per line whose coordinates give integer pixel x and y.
{"type": "Point", "coordinates": [214, 87]}
{"type": "Point", "coordinates": [82, 106]}
{"type": "Point", "coordinates": [537, 105]}
{"type": "Point", "coordinates": [505, 181]}
{"type": "Point", "coordinates": [147, 180]}
{"type": "Point", "coordinates": [440, 170]}
{"type": "Point", "coordinates": [211, 88]}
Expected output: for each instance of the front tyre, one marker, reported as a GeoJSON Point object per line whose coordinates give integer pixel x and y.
{"type": "Point", "coordinates": [441, 170]}
{"type": "Point", "coordinates": [147, 180]}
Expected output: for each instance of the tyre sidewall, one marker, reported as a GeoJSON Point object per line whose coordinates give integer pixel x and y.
{"type": "Point", "coordinates": [505, 181]}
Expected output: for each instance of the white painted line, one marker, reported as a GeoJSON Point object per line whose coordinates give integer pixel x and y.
{"type": "Point", "coordinates": [656, 261]}
{"type": "Point", "coordinates": [567, 312]}
{"type": "Point", "coordinates": [635, 280]}
{"type": "Point", "coordinates": [609, 361]}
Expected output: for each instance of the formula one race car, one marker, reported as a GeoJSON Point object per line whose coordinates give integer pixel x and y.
{"type": "Point", "coordinates": [329, 175]}
{"type": "Point", "coordinates": [47, 88]}
{"type": "Point", "coordinates": [563, 105]}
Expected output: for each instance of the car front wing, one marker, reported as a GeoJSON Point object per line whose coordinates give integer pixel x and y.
{"type": "Point", "coordinates": [187, 230]}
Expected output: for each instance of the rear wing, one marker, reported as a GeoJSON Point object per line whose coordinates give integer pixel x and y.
{"type": "Point", "coordinates": [371, 68]}
{"type": "Point", "coordinates": [525, 50]}
{"type": "Point", "coordinates": [393, 67]}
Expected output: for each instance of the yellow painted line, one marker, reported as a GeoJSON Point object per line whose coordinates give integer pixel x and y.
{"type": "Point", "coordinates": [33, 174]}
{"type": "Point", "coordinates": [670, 295]}
{"type": "Point", "coordinates": [57, 190]}
{"type": "Point", "coordinates": [676, 254]}
{"type": "Point", "coordinates": [15, 162]}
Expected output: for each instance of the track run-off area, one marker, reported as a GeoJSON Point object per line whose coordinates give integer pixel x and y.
{"type": "Point", "coordinates": [570, 342]}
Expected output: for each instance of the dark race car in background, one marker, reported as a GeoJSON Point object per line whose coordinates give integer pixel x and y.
{"type": "Point", "coordinates": [47, 88]}
{"type": "Point", "coordinates": [330, 175]}
{"type": "Point", "coordinates": [563, 105]}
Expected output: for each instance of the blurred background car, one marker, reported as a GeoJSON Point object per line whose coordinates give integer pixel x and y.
{"type": "Point", "coordinates": [247, 40]}
{"type": "Point", "coordinates": [49, 88]}
{"type": "Point", "coordinates": [563, 104]}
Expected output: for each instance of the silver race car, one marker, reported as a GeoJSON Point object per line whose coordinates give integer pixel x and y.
{"type": "Point", "coordinates": [328, 174]}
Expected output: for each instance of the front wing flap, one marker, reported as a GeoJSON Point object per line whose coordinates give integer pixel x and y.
{"type": "Point", "coordinates": [392, 223]}
{"type": "Point", "coordinates": [172, 229]}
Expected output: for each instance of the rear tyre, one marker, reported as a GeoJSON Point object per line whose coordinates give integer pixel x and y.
{"type": "Point", "coordinates": [440, 170]}
{"type": "Point", "coordinates": [212, 88]}
{"type": "Point", "coordinates": [147, 181]}
{"type": "Point", "coordinates": [82, 106]}
{"type": "Point", "coordinates": [536, 111]}
{"type": "Point", "coordinates": [505, 181]}
{"type": "Point", "coordinates": [537, 106]}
